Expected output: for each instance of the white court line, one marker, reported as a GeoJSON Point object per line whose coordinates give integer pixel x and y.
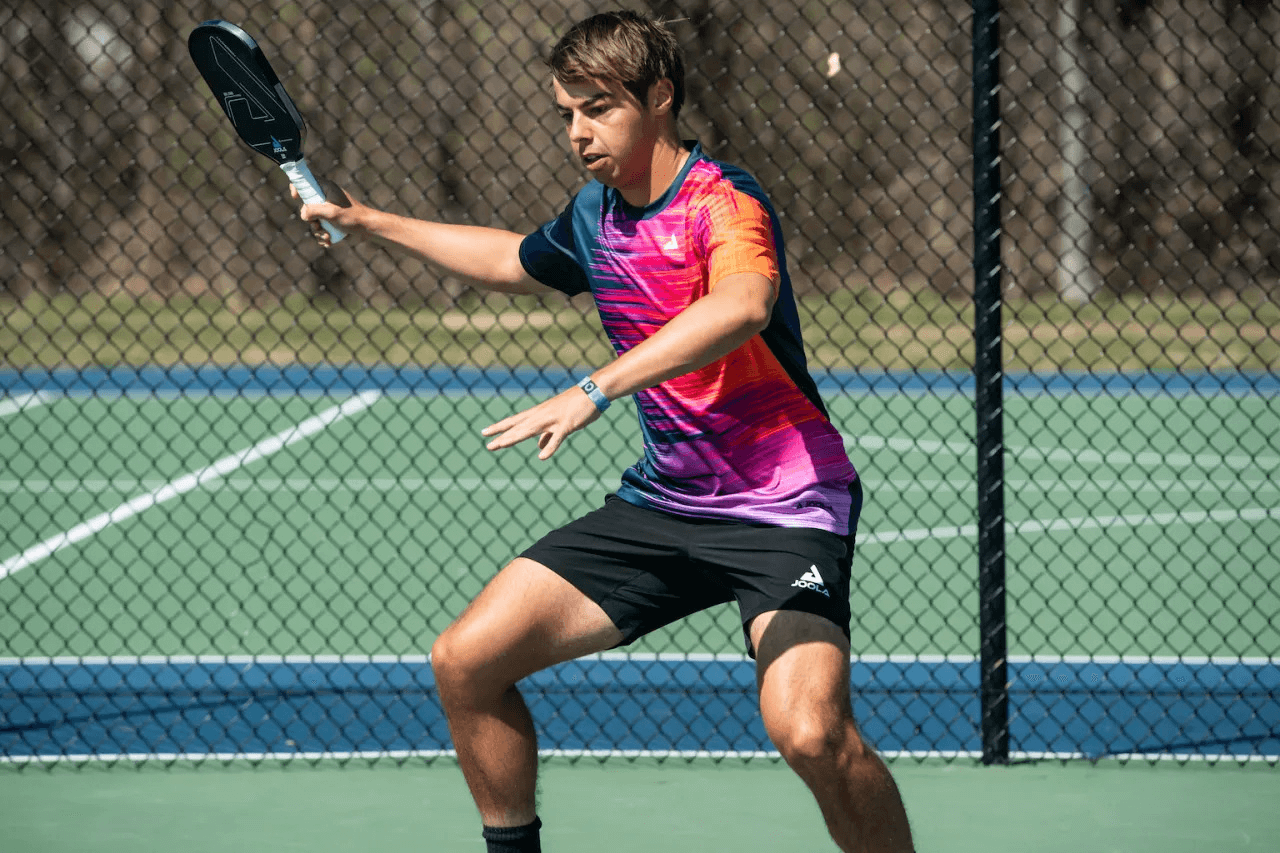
{"type": "Point", "coordinates": [186, 483]}
{"type": "Point", "coordinates": [970, 531]}
{"type": "Point", "coordinates": [1134, 484]}
{"type": "Point", "coordinates": [1082, 456]}
{"type": "Point", "coordinates": [684, 755]}
{"type": "Point", "coordinates": [1148, 459]}
{"type": "Point", "coordinates": [22, 402]}
{"type": "Point", "coordinates": [636, 657]}
{"type": "Point", "coordinates": [1227, 484]}
{"type": "Point", "coordinates": [324, 484]}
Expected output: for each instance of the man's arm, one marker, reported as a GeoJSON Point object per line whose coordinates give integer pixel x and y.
{"type": "Point", "coordinates": [734, 311]}
{"type": "Point", "coordinates": [487, 257]}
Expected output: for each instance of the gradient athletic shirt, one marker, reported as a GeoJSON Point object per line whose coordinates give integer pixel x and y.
{"type": "Point", "coordinates": [747, 437]}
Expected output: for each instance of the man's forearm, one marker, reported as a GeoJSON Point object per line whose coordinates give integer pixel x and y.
{"type": "Point", "coordinates": [710, 328]}
{"type": "Point", "coordinates": [490, 257]}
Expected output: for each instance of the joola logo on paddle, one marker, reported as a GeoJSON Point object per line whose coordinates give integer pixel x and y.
{"type": "Point", "coordinates": [813, 581]}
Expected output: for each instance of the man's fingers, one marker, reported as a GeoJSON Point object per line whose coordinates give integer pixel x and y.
{"type": "Point", "coordinates": [552, 421]}
{"type": "Point", "coordinates": [514, 430]}
{"type": "Point", "coordinates": [510, 437]}
{"type": "Point", "coordinates": [494, 429]}
{"type": "Point", "coordinates": [501, 434]}
{"type": "Point", "coordinates": [318, 210]}
{"type": "Point", "coordinates": [549, 444]}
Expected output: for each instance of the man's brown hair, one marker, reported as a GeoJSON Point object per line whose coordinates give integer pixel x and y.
{"type": "Point", "coordinates": [624, 47]}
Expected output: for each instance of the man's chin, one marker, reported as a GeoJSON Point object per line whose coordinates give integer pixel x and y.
{"type": "Point", "coordinates": [600, 170]}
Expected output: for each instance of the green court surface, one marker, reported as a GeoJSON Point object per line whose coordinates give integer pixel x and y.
{"type": "Point", "coordinates": [155, 541]}
{"type": "Point", "coordinates": [639, 807]}
{"type": "Point", "coordinates": [1137, 524]}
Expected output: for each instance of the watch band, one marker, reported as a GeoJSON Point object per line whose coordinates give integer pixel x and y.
{"type": "Point", "coordinates": [594, 393]}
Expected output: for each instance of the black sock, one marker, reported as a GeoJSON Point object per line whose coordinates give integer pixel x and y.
{"type": "Point", "coordinates": [513, 839]}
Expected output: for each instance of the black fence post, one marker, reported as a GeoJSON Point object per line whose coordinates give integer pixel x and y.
{"type": "Point", "coordinates": [988, 377]}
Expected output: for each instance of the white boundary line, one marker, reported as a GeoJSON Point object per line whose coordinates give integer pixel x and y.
{"type": "Point", "coordinates": [687, 755]}
{"type": "Point", "coordinates": [186, 483]}
{"type": "Point", "coordinates": [22, 402]}
{"type": "Point", "coordinates": [1082, 456]}
{"type": "Point", "coordinates": [96, 485]}
{"type": "Point", "coordinates": [325, 484]}
{"type": "Point", "coordinates": [636, 657]}
{"type": "Point", "coordinates": [1122, 458]}
{"type": "Point", "coordinates": [1058, 525]}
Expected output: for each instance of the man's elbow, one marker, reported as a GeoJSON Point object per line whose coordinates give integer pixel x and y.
{"type": "Point", "coordinates": [746, 302]}
{"type": "Point", "coordinates": [754, 315]}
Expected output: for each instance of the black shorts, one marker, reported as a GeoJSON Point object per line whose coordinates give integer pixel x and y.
{"type": "Point", "coordinates": [648, 568]}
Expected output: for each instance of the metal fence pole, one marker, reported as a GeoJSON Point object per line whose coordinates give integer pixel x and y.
{"type": "Point", "coordinates": [988, 376]}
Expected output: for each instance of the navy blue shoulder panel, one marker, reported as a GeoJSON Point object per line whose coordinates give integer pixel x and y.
{"type": "Point", "coordinates": [557, 253]}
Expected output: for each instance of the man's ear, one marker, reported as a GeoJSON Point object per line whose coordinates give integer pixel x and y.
{"type": "Point", "coordinates": [661, 96]}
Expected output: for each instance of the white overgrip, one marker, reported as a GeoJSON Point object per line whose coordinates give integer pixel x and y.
{"type": "Point", "coordinates": [309, 191]}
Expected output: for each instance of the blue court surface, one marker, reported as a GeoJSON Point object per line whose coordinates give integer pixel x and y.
{"type": "Point", "coordinates": [615, 703]}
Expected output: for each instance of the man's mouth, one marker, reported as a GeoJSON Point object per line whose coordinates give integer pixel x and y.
{"type": "Point", "coordinates": [591, 159]}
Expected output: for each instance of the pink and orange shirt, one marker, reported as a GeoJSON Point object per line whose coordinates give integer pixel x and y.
{"type": "Point", "coordinates": [747, 437]}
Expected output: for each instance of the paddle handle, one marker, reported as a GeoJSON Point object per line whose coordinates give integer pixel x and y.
{"type": "Point", "coordinates": [309, 191]}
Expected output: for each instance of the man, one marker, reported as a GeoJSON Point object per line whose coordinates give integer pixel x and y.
{"type": "Point", "coordinates": [744, 492]}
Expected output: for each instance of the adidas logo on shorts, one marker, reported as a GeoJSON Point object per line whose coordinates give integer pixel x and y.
{"type": "Point", "coordinates": [811, 580]}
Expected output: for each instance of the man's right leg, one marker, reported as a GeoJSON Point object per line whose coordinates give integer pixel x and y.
{"type": "Point", "coordinates": [526, 619]}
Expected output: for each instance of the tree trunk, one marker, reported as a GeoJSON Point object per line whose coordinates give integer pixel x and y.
{"type": "Point", "coordinates": [1077, 278]}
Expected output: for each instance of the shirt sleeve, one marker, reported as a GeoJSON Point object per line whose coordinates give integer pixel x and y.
{"type": "Point", "coordinates": [548, 255]}
{"type": "Point", "coordinates": [737, 231]}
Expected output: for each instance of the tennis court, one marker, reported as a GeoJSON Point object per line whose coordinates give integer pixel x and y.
{"type": "Point", "coordinates": [242, 487]}
{"type": "Point", "coordinates": [638, 806]}
{"type": "Point", "coordinates": [246, 563]}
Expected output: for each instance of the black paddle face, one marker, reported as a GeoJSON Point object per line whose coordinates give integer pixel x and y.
{"type": "Point", "coordinates": [248, 90]}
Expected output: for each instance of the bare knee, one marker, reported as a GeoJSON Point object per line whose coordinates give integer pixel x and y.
{"type": "Point", "coordinates": [819, 742]}
{"type": "Point", "coordinates": [461, 671]}
{"type": "Point", "coordinates": [446, 662]}
{"type": "Point", "coordinates": [444, 657]}
{"type": "Point", "coordinates": [526, 619]}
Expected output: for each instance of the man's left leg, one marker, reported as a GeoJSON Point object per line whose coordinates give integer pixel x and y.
{"type": "Point", "coordinates": [803, 674]}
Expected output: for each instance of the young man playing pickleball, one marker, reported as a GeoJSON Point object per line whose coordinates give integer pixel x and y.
{"type": "Point", "coordinates": [744, 492]}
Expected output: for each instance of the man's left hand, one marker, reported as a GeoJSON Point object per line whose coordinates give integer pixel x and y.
{"type": "Point", "coordinates": [552, 421]}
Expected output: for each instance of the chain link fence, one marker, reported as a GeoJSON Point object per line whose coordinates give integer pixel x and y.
{"type": "Point", "coordinates": [242, 486]}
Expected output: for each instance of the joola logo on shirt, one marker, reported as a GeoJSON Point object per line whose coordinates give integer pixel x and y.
{"type": "Point", "coordinates": [813, 581]}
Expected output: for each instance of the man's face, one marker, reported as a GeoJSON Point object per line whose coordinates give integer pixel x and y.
{"type": "Point", "coordinates": [611, 132]}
